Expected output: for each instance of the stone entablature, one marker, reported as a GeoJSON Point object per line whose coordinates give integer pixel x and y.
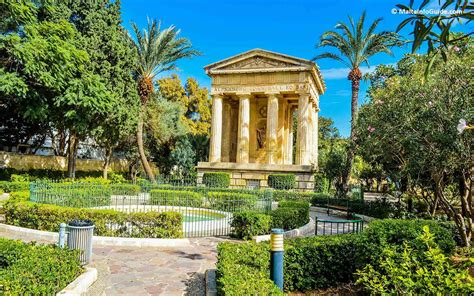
{"type": "Point", "coordinates": [254, 96]}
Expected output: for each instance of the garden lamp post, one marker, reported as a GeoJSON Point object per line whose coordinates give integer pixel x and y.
{"type": "Point", "coordinates": [276, 257]}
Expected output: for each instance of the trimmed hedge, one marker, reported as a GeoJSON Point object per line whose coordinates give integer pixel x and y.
{"type": "Point", "coordinates": [244, 269]}
{"type": "Point", "coordinates": [231, 202]}
{"type": "Point", "coordinates": [107, 222]}
{"type": "Point", "coordinates": [30, 269]}
{"type": "Point", "coordinates": [8, 186]}
{"type": "Point", "coordinates": [5, 174]}
{"type": "Point", "coordinates": [300, 195]}
{"type": "Point", "coordinates": [245, 225]}
{"type": "Point", "coordinates": [290, 215]}
{"type": "Point", "coordinates": [175, 198]}
{"type": "Point", "coordinates": [323, 261]}
{"type": "Point", "coordinates": [282, 181]}
{"type": "Point", "coordinates": [125, 189]}
{"type": "Point", "coordinates": [76, 195]}
{"type": "Point", "coordinates": [216, 179]}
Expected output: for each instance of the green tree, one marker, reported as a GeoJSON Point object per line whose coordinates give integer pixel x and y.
{"type": "Point", "coordinates": [355, 47]}
{"type": "Point", "coordinates": [193, 98]}
{"type": "Point", "coordinates": [46, 71]}
{"type": "Point", "coordinates": [409, 128]}
{"type": "Point", "coordinates": [436, 30]}
{"type": "Point", "coordinates": [158, 51]}
{"type": "Point", "coordinates": [113, 58]}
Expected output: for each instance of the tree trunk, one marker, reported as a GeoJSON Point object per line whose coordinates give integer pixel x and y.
{"type": "Point", "coordinates": [72, 154]}
{"type": "Point", "coordinates": [141, 149]}
{"type": "Point", "coordinates": [355, 77]}
{"type": "Point", "coordinates": [108, 157]}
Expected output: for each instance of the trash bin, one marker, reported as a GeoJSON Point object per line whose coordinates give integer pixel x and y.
{"type": "Point", "coordinates": [80, 238]}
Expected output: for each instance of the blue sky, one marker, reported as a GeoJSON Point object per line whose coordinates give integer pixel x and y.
{"type": "Point", "coordinates": [220, 29]}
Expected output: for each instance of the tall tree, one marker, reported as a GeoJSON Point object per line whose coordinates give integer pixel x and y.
{"type": "Point", "coordinates": [354, 47]}
{"type": "Point", "coordinates": [46, 71]}
{"type": "Point", "coordinates": [113, 58]}
{"type": "Point", "coordinates": [158, 51]}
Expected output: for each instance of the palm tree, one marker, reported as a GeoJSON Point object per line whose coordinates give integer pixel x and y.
{"type": "Point", "coordinates": [158, 51]}
{"type": "Point", "coordinates": [354, 47]}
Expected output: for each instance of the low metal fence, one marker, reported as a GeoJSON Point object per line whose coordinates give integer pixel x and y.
{"type": "Point", "coordinates": [205, 211]}
{"type": "Point", "coordinates": [340, 226]}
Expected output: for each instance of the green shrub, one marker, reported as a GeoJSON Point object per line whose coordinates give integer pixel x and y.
{"type": "Point", "coordinates": [175, 198]}
{"type": "Point", "coordinates": [322, 262]}
{"type": "Point", "coordinates": [382, 233]}
{"type": "Point", "coordinates": [216, 179]}
{"type": "Point", "coordinates": [231, 202]}
{"type": "Point", "coordinates": [20, 178]}
{"type": "Point", "coordinates": [125, 189]}
{"type": "Point", "coordinates": [419, 268]}
{"type": "Point", "coordinates": [31, 269]}
{"type": "Point", "coordinates": [318, 198]}
{"type": "Point", "coordinates": [20, 195]}
{"type": "Point", "coordinates": [1, 191]}
{"type": "Point", "coordinates": [117, 178]}
{"type": "Point", "coordinates": [77, 195]}
{"type": "Point", "coordinates": [107, 222]}
{"type": "Point", "coordinates": [245, 225]}
{"type": "Point", "coordinates": [7, 186]}
{"type": "Point", "coordinates": [6, 173]}
{"type": "Point", "coordinates": [244, 269]}
{"type": "Point", "coordinates": [321, 183]}
{"type": "Point", "coordinates": [282, 181]}
{"type": "Point", "coordinates": [290, 215]}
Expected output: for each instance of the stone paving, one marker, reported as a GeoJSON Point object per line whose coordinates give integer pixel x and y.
{"type": "Point", "coordinates": [153, 271]}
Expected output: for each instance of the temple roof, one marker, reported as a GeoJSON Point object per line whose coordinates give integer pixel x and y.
{"type": "Point", "coordinates": [260, 60]}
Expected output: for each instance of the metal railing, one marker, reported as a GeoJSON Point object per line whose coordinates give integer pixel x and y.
{"type": "Point", "coordinates": [340, 226]}
{"type": "Point", "coordinates": [205, 211]}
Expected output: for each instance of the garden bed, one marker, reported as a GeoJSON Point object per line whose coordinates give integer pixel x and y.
{"type": "Point", "coordinates": [32, 269]}
{"type": "Point", "coordinates": [320, 262]}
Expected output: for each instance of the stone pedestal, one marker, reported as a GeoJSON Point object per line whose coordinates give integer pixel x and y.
{"type": "Point", "coordinates": [250, 175]}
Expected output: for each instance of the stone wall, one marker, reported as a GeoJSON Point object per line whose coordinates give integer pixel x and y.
{"type": "Point", "coordinates": [39, 162]}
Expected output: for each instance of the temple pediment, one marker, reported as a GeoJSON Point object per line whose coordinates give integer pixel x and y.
{"type": "Point", "coordinates": [258, 59]}
{"type": "Point", "coordinates": [259, 62]}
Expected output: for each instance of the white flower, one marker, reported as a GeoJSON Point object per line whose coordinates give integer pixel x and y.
{"type": "Point", "coordinates": [461, 125]}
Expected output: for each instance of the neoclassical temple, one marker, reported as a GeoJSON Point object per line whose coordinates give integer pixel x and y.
{"type": "Point", "coordinates": [255, 96]}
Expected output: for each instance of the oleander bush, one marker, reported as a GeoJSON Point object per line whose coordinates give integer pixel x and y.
{"type": "Point", "coordinates": [245, 225]}
{"type": "Point", "coordinates": [244, 269]}
{"type": "Point", "coordinates": [8, 186]}
{"type": "Point", "coordinates": [107, 222]}
{"type": "Point", "coordinates": [323, 261]}
{"type": "Point", "coordinates": [290, 215]}
{"type": "Point", "coordinates": [229, 201]}
{"type": "Point", "coordinates": [31, 269]}
{"type": "Point", "coordinates": [282, 181]}
{"type": "Point", "coordinates": [216, 179]}
{"type": "Point", "coordinates": [175, 198]}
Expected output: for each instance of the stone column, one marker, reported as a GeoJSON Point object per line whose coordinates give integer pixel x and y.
{"type": "Point", "coordinates": [315, 135]}
{"type": "Point", "coordinates": [216, 129]}
{"type": "Point", "coordinates": [304, 140]}
{"type": "Point", "coordinates": [272, 128]}
{"type": "Point", "coordinates": [290, 136]}
{"type": "Point", "coordinates": [244, 129]}
{"type": "Point", "coordinates": [226, 132]}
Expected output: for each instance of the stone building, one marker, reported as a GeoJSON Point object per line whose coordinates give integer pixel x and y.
{"type": "Point", "coordinates": [254, 98]}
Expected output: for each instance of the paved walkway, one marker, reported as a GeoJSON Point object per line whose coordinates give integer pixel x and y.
{"type": "Point", "coordinates": [153, 271]}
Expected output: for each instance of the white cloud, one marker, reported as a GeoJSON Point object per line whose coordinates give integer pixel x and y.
{"type": "Point", "coordinates": [341, 73]}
